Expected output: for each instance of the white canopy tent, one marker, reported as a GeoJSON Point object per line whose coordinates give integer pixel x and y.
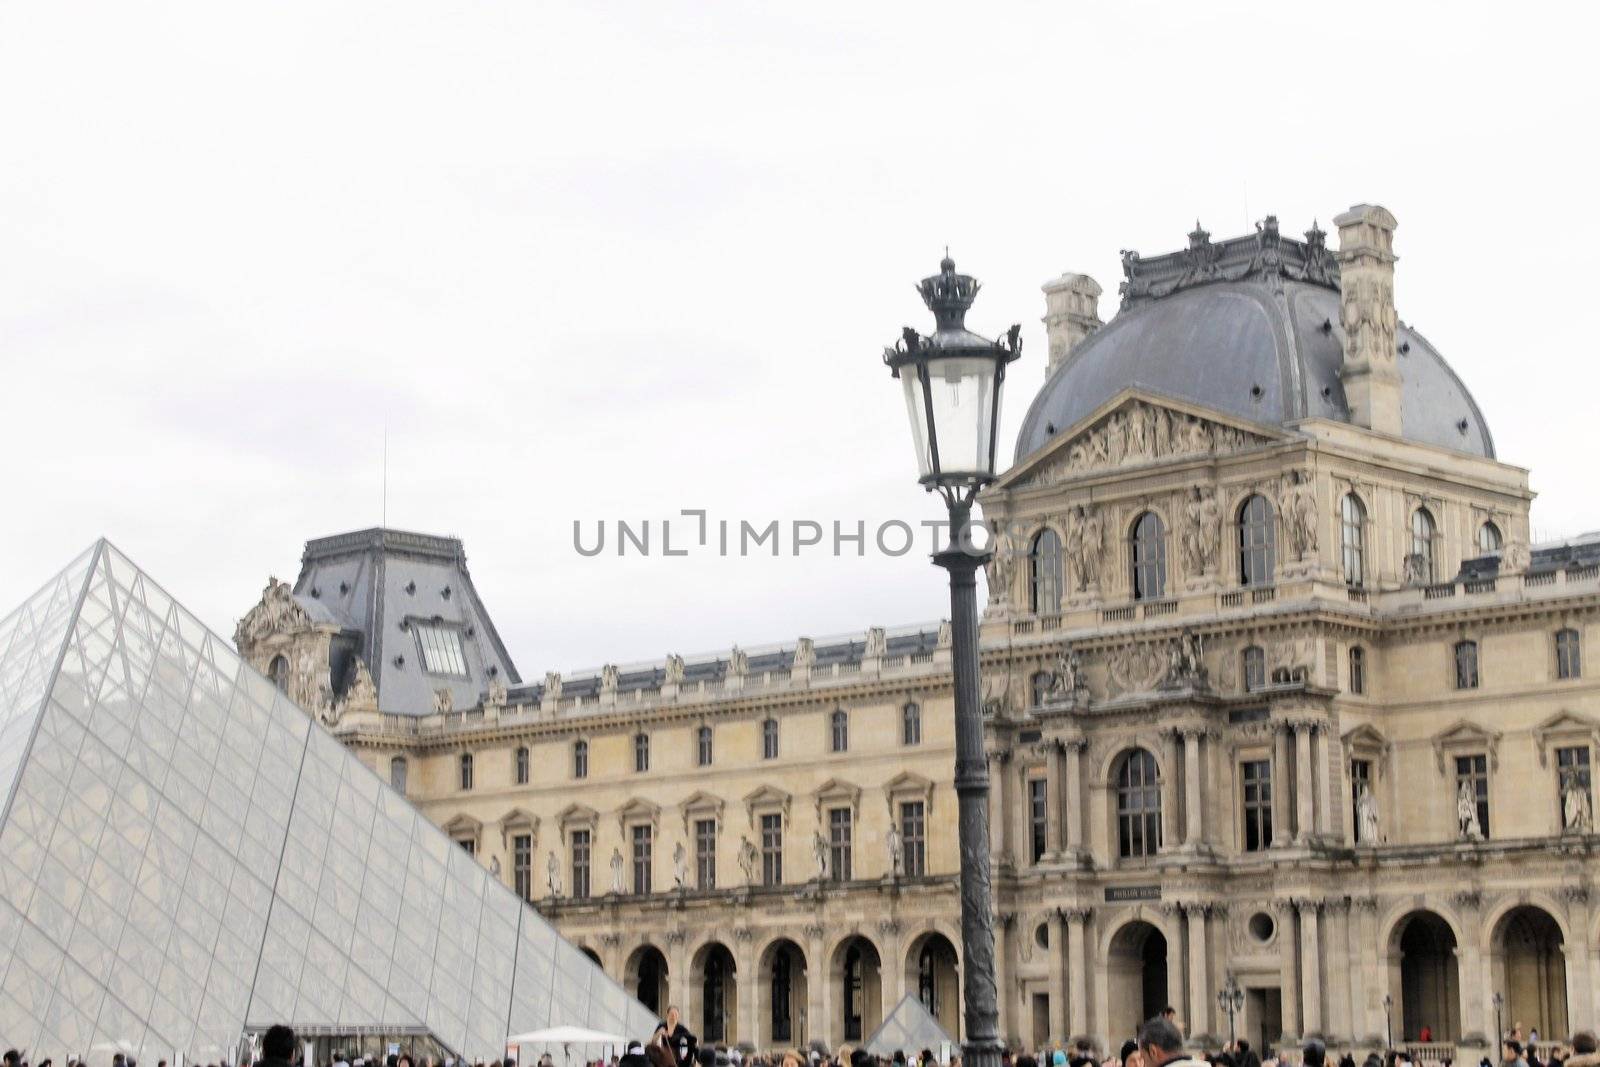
{"type": "Point", "coordinates": [566, 1037]}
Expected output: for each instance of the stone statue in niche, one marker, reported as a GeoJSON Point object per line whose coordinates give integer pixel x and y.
{"type": "Point", "coordinates": [1467, 813]}
{"type": "Point", "coordinates": [749, 860]}
{"type": "Point", "coordinates": [1085, 544]}
{"type": "Point", "coordinates": [1300, 514]}
{"type": "Point", "coordinates": [1067, 680]}
{"type": "Point", "coordinates": [897, 855]}
{"type": "Point", "coordinates": [616, 871]}
{"type": "Point", "coordinates": [819, 854]}
{"type": "Point", "coordinates": [1186, 663]}
{"type": "Point", "coordinates": [1367, 828]}
{"type": "Point", "coordinates": [680, 866]}
{"type": "Point", "coordinates": [1202, 531]}
{"type": "Point", "coordinates": [1577, 809]}
{"type": "Point", "coordinates": [553, 874]}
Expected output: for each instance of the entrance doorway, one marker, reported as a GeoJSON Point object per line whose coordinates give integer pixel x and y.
{"type": "Point", "coordinates": [1263, 1017]}
{"type": "Point", "coordinates": [1138, 973]}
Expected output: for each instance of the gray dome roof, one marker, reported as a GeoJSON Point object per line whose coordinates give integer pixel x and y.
{"type": "Point", "coordinates": [1251, 336]}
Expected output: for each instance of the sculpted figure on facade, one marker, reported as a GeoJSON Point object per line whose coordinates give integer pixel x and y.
{"type": "Point", "coordinates": [496, 693]}
{"type": "Point", "coordinates": [361, 694]}
{"type": "Point", "coordinates": [946, 635]}
{"type": "Point", "coordinates": [443, 702]}
{"type": "Point", "coordinates": [819, 854]}
{"type": "Point", "coordinates": [749, 860]}
{"type": "Point", "coordinates": [1202, 531]}
{"type": "Point", "coordinates": [1186, 662]}
{"type": "Point", "coordinates": [680, 866]}
{"type": "Point", "coordinates": [896, 847]}
{"type": "Point", "coordinates": [609, 678]}
{"type": "Point", "coordinates": [1467, 813]}
{"type": "Point", "coordinates": [616, 871]}
{"type": "Point", "coordinates": [277, 613]}
{"type": "Point", "coordinates": [1141, 433]}
{"type": "Point", "coordinates": [1367, 312]}
{"type": "Point", "coordinates": [1067, 680]}
{"type": "Point", "coordinates": [805, 654]}
{"type": "Point", "coordinates": [877, 643]}
{"type": "Point", "coordinates": [1300, 514]}
{"type": "Point", "coordinates": [1367, 829]}
{"type": "Point", "coordinates": [1000, 568]}
{"type": "Point", "coordinates": [674, 672]}
{"type": "Point", "coordinates": [1577, 809]}
{"type": "Point", "coordinates": [1134, 668]}
{"type": "Point", "coordinates": [738, 663]}
{"type": "Point", "coordinates": [553, 874]}
{"type": "Point", "coordinates": [552, 686]}
{"type": "Point", "coordinates": [1085, 545]}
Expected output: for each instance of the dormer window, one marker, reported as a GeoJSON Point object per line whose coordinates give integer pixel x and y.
{"type": "Point", "coordinates": [441, 650]}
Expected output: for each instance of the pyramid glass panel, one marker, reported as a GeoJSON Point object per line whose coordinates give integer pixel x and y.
{"type": "Point", "coordinates": [186, 857]}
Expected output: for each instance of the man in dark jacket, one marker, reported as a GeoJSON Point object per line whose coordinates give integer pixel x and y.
{"type": "Point", "coordinates": [278, 1047]}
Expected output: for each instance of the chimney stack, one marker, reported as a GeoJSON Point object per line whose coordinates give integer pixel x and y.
{"type": "Point", "coordinates": [1072, 312]}
{"type": "Point", "coordinates": [1366, 311]}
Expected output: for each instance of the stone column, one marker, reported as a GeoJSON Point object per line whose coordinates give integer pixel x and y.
{"type": "Point", "coordinates": [1580, 1003]}
{"type": "Point", "coordinates": [1193, 804]}
{"type": "Point", "coordinates": [1373, 973]}
{"type": "Point", "coordinates": [1077, 972]}
{"type": "Point", "coordinates": [747, 982]}
{"type": "Point", "coordinates": [1288, 970]}
{"type": "Point", "coordinates": [1305, 817]}
{"type": "Point", "coordinates": [998, 836]}
{"type": "Point", "coordinates": [1280, 786]}
{"type": "Point", "coordinates": [680, 984]}
{"type": "Point", "coordinates": [1325, 777]}
{"type": "Point", "coordinates": [1005, 985]}
{"type": "Point", "coordinates": [1074, 799]}
{"type": "Point", "coordinates": [1310, 968]}
{"type": "Point", "coordinates": [1337, 911]}
{"type": "Point", "coordinates": [1169, 790]}
{"type": "Point", "coordinates": [1057, 957]}
{"type": "Point", "coordinates": [1200, 1021]}
{"type": "Point", "coordinates": [891, 967]}
{"type": "Point", "coordinates": [819, 1024]}
{"type": "Point", "coordinates": [1475, 1023]}
{"type": "Point", "coordinates": [1052, 806]}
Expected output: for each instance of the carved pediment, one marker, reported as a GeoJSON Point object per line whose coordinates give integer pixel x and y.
{"type": "Point", "coordinates": [276, 613]}
{"type": "Point", "coordinates": [908, 786]}
{"type": "Point", "coordinates": [837, 791]}
{"type": "Point", "coordinates": [576, 815]}
{"type": "Point", "coordinates": [518, 821]}
{"type": "Point", "coordinates": [701, 804]}
{"type": "Point", "coordinates": [1462, 737]}
{"type": "Point", "coordinates": [636, 811]}
{"type": "Point", "coordinates": [463, 826]}
{"type": "Point", "coordinates": [1130, 431]}
{"type": "Point", "coordinates": [1366, 736]}
{"type": "Point", "coordinates": [766, 799]}
{"type": "Point", "coordinates": [1564, 728]}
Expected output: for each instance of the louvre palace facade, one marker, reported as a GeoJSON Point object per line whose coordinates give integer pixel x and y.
{"type": "Point", "coordinates": [1279, 695]}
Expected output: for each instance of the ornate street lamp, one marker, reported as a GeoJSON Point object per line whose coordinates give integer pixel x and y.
{"type": "Point", "coordinates": [1230, 998]}
{"type": "Point", "coordinates": [953, 381]}
{"type": "Point", "coordinates": [1388, 1021]}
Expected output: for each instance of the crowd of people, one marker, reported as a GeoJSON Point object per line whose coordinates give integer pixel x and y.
{"type": "Point", "coordinates": [1159, 1043]}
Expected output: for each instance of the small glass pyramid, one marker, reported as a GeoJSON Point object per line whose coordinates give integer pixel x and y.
{"type": "Point", "coordinates": [185, 855]}
{"type": "Point", "coordinates": [909, 1028]}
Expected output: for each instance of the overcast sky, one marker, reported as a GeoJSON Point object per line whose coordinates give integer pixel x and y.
{"type": "Point", "coordinates": [610, 260]}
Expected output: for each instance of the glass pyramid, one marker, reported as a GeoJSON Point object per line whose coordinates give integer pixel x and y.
{"type": "Point", "coordinates": [909, 1028]}
{"type": "Point", "coordinates": [185, 855]}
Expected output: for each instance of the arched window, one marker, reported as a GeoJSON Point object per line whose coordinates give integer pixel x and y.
{"type": "Point", "coordinates": [580, 759]}
{"type": "Point", "coordinates": [911, 723]}
{"type": "Point", "coordinates": [641, 753]}
{"type": "Point", "coordinates": [1256, 542]}
{"type": "Point", "coordinates": [702, 742]}
{"type": "Point", "coordinates": [1466, 664]}
{"type": "Point", "coordinates": [1255, 668]}
{"type": "Point", "coordinates": [397, 774]}
{"type": "Point", "coordinates": [521, 762]}
{"type": "Point", "coordinates": [1421, 559]}
{"type": "Point", "coordinates": [1353, 539]}
{"type": "Point", "coordinates": [1149, 558]}
{"type": "Point", "coordinates": [1489, 539]}
{"type": "Point", "coordinates": [769, 739]}
{"type": "Point", "coordinates": [1044, 574]}
{"type": "Point", "coordinates": [279, 673]}
{"type": "Point", "coordinates": [1138, 806]}
{"type": "Point", "coordinates": [1358, 670]}
{"type": "Point", "coordinates": [1569, 654]}
{"type": "Point", "coordinates": [466, 770]}
{"type": "Point", "coordinates": [839, 731]}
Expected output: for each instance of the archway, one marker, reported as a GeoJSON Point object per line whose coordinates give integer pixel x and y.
{"type": "Point", "coordinates": [783, 994]}
{"type": "Point", "coordinates": [1532, 969]}
{"type": "Point", "coordinates": [713, 973]}
{"type": "Point", "coordinates": [1137, 969]}
{"type": "Point", "coordinates": [592, 954]}
{"type": "Point", "coordinates": [646, 978]}
{"type": "Point", "coordinates": [858, 988]}
{"type": "Point", "coordinates": [1429, 996]}
{"type": "Point", "coordinates": [933, 973]}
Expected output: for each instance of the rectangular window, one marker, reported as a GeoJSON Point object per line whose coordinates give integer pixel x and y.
{"type": "Point", "coordinates": [703, 746]}
{"type": "Point", "coordinates": [1466, 665]}
{"type": "Point", "coordinates": [769, 739]}
{"type": "Point", "coordinates": [911, 724]}
{"type": "Point", "coordinates": [839, 844]}
{"type": "Point", "coordinates": [1038, 816]}
{"type": "Point", "coordinates": [580, 864]}
{"type": "Point", "coordinates": [469, 845]}
{"type": "Point", "coordinates": [705, 853]}
{"type": "Point", "coordinates": [1569, 663]}
{"type": "Point", "coordinates": [580, 759]}
{"type": "Point", "coordinates": [643, 845]}
{"type": "Point", "coordinates": [1473, 771]}
{"type": "Point", "coordinates": [1360, 776]}
{"type": "Point", "coordinates": [840, 723]}
{"type": "Point", "coordinates": [522, 865]}
{"type": "Point", "coordinates": [1358, 670]}
{"type": "Point", "coordinates": [914, 838]}
{"type": "Point", "coordinates": [1256, 776]}
{"type": "Point", "coordinates": [772, 849]}
{"type": "Point", "coordinates": [522, 763]}
{"type": "Point", "coordinates": [441, 650]}
{"type": "Point", "coordinates": [641, 753]}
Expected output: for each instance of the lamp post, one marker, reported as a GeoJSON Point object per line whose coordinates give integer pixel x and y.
{"type": "Point", "coordinates": [953, 380]}
{"type": "Point", "coordinates": [1499, 1025]}
{"type": "Point", "coordinates": [1388, 1021]}
{"type": "Point", "coordinates": [1230, 998]}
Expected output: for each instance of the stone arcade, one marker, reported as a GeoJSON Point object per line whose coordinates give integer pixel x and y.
{"type": "Point", "coordinates": [1278, 690]}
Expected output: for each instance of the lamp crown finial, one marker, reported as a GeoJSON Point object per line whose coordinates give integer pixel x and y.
{"type": "Point", "coordinates": [948, 294]}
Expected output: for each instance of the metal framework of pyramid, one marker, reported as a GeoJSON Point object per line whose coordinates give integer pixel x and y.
{"type": "Point", "coordinates": [909, 1028]}
{"type": "Point", "coordinates": [185, 855]}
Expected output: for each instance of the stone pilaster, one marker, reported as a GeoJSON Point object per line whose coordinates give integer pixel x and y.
{"type": "Point", "coordinates": [1367, 312]}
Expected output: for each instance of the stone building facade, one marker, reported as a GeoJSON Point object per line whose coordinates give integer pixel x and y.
{"type": "Point", "coordinates": [1280, 698]}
